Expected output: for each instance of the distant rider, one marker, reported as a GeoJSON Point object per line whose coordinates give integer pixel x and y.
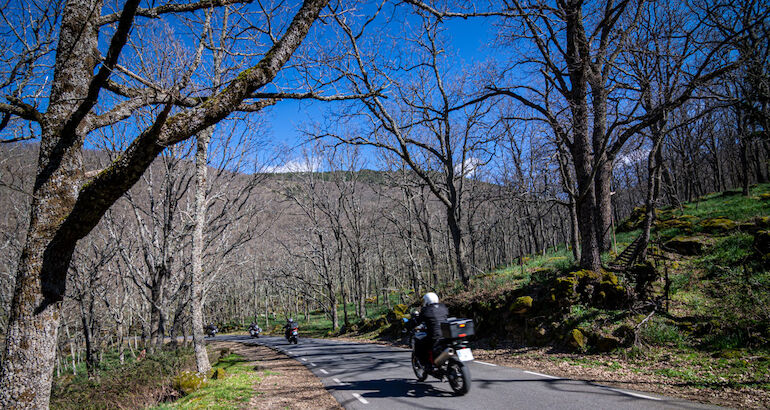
{"type": "Point", "coordinates": [431, 314]}
{"type": "Point", "coordinates": [290, 324]}
{"type": "Point", "coordinates": [254, 326]}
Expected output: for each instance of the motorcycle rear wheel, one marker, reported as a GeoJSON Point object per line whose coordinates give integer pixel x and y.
{"type": "Point", "coordinates": [418, 368]}
{"type": "Point", "coordinates": [459, 377]}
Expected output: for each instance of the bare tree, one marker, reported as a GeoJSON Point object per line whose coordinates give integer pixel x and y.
{"type": "Point", "coordinates": [66, 207]}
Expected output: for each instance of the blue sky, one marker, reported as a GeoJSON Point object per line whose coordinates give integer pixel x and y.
{"type": "Point", "coordinates": [467, 38]}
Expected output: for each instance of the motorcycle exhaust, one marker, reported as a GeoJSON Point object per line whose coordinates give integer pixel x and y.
{"type": "Point", "coordinates": [444, 356]}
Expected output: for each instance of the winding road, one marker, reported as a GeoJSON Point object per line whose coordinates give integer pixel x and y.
{"type": "Point", "coordinates": [370, 376]}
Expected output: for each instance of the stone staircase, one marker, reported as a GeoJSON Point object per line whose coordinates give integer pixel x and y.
{"type": "Point", "coordinates": [626, 258]}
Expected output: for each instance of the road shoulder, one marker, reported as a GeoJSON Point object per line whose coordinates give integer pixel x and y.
{"type": "Point", "coordinates": [284, 382]}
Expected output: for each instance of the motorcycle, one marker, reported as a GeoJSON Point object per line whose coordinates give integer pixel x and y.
{"type": "Point", "coordinates": [254, 332]}
{"type": "Point", "coordinates": [454, 352]}
{"type": "Point", "coordinates": [292, 335]}
{"type": "Point", "coordinates": [211, 330]}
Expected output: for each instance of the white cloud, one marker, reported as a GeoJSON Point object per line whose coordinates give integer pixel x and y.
{"type": "Point", "coordinates": [296, 165]}
{"type": "Point", "coordinates": [469, 168]}
{"type": "Point", "coordinates": [634, 156]}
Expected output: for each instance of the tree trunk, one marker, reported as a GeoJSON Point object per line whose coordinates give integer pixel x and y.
{"type": "Point", "coordinates": [604, 204]}
{"type": "Point", "coordinates": [459, 248]}
{"type": "Point", "coordinates": [574, 235]}
{"type": "Point", "coordinates": [196, 280]}
{"type": "Point", "coordinates": [654, 163]}
{"type": "Point", "coordinates": [33, 322]}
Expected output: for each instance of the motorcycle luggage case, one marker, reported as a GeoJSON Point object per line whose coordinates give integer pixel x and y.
{"type": "Point", "coordinates": [457, 328]}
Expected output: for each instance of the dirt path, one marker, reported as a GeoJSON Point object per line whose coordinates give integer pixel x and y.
{"type": "Point", "coordinates": [284, 383]}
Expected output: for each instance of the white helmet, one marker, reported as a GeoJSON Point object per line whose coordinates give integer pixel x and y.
{"type": "Point", "coordinates": [429, 299]}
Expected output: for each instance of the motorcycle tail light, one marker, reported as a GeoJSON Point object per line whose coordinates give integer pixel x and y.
{"type": "Point", "coordinates": [462, 335]}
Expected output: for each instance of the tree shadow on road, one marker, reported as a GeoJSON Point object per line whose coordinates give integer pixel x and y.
{"type": "Point", "coordinates": [379, 388]}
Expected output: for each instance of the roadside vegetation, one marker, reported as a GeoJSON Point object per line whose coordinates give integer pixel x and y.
{"type": "Point", "coordinates": [701, 323]}
{"type": "Point", "coordinates": [138, 383]}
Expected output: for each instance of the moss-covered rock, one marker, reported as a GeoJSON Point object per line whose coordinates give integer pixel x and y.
{"type": "Point", "coordinates": [521, 305]}
{"type": "Point", "coordinates": [685, 245]}
{"type": "Point", "coordinates": [576, 340]}
{"type": "Point", "coordinates": [718, 225]}
{"type": "Point", "coordinates": [677, 223]}
{"type": "Point", "coordinates": [606, 344]}
{"type": "Point", "coordinates": [611, 294]}
{"type": "Point", "coordinates": [187, 381]}
{"type": "Point", "coordinates": [757, 224]}
{"type": "Point", "coordinates": [218, 373]}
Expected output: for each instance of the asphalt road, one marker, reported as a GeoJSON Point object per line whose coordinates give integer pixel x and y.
{"type": "Point", "coordinates": [369, 376]}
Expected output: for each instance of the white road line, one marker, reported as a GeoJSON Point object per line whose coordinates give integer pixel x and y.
{"type": "Point", "coordinates": [541, 375]}
{"type": "Point", "coordinates": [361, 399]}
{"type": "Point", "coordinates": [324, 371]}
{"type": "Point", "coordinates": [484, 363]}
{"type": "Point", "coordinates": [312, 364]}
{"type": "Point", "coordinates": [628, 393]}
{"type": "Point", "coordinates": [336, 380]}
{"type": "Point", "coordinates": [303, 359]}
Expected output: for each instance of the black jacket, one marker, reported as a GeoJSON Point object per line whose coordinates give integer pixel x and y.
{"type": "Point", "coordinates": [432, 316]}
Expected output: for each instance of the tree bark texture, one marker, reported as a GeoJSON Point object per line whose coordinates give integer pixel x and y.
{"type": "Point", "coordinates": [196, 281]}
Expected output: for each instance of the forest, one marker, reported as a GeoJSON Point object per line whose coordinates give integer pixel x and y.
{"type": "Point", "coordinates": [579, 142]}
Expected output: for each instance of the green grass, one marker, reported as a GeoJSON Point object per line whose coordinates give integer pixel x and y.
{"type": "Point", "coordinates": [730, 204]}
{"type": "Point", "coordinates": [233, 391]}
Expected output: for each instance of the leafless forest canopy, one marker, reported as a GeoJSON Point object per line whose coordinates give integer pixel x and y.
{"type": "Point", "coordinates": [426, 169]}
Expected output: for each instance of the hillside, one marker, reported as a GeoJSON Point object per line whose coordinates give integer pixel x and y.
{"type": "Point", "coordinates": [698, 326]}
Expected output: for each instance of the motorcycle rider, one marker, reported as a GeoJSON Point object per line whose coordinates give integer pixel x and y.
{"type": "Point", "coordinates": [432, 314]}
{"type": "Point", "coordinates": [255, 327]}
{"type": "Point", "coordinates": [290, 324]}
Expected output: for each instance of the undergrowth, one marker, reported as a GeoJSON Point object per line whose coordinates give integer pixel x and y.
{"type": "Point", "coordinates": [232, 391]}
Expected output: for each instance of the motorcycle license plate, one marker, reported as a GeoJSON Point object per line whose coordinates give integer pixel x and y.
{"type": "Point", "coordinates": [465, 355]}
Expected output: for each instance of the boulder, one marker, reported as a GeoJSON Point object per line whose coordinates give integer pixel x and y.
{"type": "Point", "coordinates": [576, 340]}
{"type": "Point", "coordinates": [677, 223]}
{"type": "Point", "coordinates": [606, 344]}
{"type": "Point", "coordinates": [521, 305]}
{"type": "Point", "coordinates": [685, 245]}
{"type": "Point", "coordinates": [611, 294]}
{"type": "Point", "coordinates": [718, 225]}
{"type": "Point", "coordinates": [218, 373]}
{"type": "Point", "coordinates": [188, 381]}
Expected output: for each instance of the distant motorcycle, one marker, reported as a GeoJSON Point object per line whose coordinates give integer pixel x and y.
{"type": "Point", "coordinates": [450, 363]}
{"type": "Point", "coordinates": [211, 330]}
{"type": "Point", "coordinates": [292, 335]}
{"type": "Point", "coordinates": [255, 331]}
